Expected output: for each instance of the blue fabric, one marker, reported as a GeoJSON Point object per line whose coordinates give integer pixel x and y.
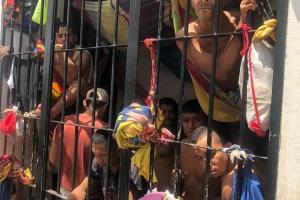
{"type": "Point", "coordinates": [140, 109]}
{"type": "Point", "coordinates": [4, 189]}
{"type": "Point", "coordinates": [251, 189]}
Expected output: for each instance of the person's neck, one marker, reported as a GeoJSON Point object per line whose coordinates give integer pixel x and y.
{"type": "Point", "coordinates": [207, 26]}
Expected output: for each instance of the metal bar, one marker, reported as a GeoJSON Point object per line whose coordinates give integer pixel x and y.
{"type": "Point", "coordinates": [78, 102]}
{"type": "Point", "coordinates": [130, 81]}
{"type": "Point", "coordinates": [243, 113]}
{"type": "Point", "coordinates": [277, 94]}
{"type": "Point", "coordinates": [181, 98]}
{"type": "Point", "coordinates": [111, 99]}
{"type": "Point", "coordinates": [98, 39]}
{"type": "Point", "coordinates": [3, 34]}
{"type": "Point", "coordinates": [155, 98]}
{"type": "Point", "coordinates": [211, 96]}
{"type": "Point", "coordinates": [46, 99]}
{"type": "Point", "coordinates": [63, 111]}
{"type": "Point", "coordinates": [142, 42]}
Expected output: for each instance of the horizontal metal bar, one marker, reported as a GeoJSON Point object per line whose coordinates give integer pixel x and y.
{"type": "Point", "coordinates": [142, 42]}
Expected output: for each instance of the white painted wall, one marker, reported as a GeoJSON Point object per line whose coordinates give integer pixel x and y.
{"type": "Point", "coordinates": [288, 182]}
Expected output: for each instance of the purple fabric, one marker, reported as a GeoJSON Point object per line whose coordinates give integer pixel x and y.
{"type": "Point", "coordinates": [153, 196]}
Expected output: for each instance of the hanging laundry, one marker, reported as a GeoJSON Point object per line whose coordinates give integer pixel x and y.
{"type": "Point", "coordinates": [36, 17]}
{"type": "Point", "coordinates": [8, 11]}
{"type": "Point", "coordinates": [251, 187]}
{"type": "Point", "coordinates": [8, 124]}
{"type": "Point", "coordinates": [259, 86]}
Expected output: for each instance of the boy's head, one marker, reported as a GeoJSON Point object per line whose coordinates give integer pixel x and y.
{"type": "Point", "coordinates": [192, 117]}
{"type": "Point", "coordinates": [169, 110]}
{"type": "Point", "coordinates": [101, 102]}
{"type": "Point", "coordinates": [61, 36]}
{"type": "Point", "coordinates": [99, 148]}
{"type": "Point", "coordinates": [219, 159]}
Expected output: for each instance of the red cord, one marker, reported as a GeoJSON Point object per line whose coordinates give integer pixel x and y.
{"type": "Point", "coordinates": [149, 43]}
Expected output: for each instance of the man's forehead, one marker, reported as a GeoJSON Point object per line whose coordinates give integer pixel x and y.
{"type": "Point", "coordinates": [190, 115]}
{"type": "Point", "coordinates": [63, 30]}
{"type": "Point", "coordinates": [166, 107]}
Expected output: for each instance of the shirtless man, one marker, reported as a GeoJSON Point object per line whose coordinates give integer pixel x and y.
{"type": "Point", "coordinates": [73, 66]}
{"type": "Point", "coordinates": [192, 117]}
{"type": "Point", "coordinates": [199, 51]}
{"type": "Point", "coordinates": [221, 172]}
{"type": "Point", "coordinates": [164, 159]}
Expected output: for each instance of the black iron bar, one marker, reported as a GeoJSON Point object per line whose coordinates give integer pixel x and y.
{"type": "Point", "coordinates": [111, 99]}
{"type": "Point", "coordinates": [181, 97]}
{"type": "Point", "coordinates": [78, 99]}
{"type": "Point", "coordinates": [243, 121]}
{"type": "Point", "coordinates": [95, 72]}
{"type": "Point", "coordinates": [211, 96]}
{"type": "Point", "coordinates": [155, 98]}
{"type": "Point", "coordinates": [130, 81]}
{"type": "Point", "coordinates": [46, 101]}
{"type": "Point", "coordinates": [142, 42]}
{"type": "Point", "coordinates": [63, 111]}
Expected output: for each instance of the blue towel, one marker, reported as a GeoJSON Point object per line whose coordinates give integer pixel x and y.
{"type": "Point", "coordinates": [251, 189]}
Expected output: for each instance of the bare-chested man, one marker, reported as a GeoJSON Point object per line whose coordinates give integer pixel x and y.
{"type": "Point", "coordinates": [164, 159]}
{"type": "Point", "coordinates": [192, 117]}
{"type": "Point", "coordinates": [199, 51]}
{"type": "Point", "coordinates": [73, 67]}
{"type": "Point", "coordinates": [221, 172]}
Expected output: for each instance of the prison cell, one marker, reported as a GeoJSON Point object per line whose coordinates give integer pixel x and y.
{"type": "Point", "coordinates": [35, 82]}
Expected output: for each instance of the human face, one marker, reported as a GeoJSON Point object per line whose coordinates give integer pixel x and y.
{"type": "Point", "coordinates": [169, 114]}
{"type": "Point", "coordinates": [218, 162]}
{"type": "Point", "coordinates": [204, 9]}
{"type": "Point", "coordinates": [191, 121]}
{"type": "Point", "coordinates": [100, 152]}
{"type": "Point", "coordinates": [61, 36]}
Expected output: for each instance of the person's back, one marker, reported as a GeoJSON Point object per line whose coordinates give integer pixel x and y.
{"type": "Point", "coordinates": [83, 149]}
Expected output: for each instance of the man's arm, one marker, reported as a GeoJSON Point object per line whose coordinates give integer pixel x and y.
{"type": "Point", "coordinates": [79, 192]}
{"type": "Point", "coordinates": [53, 155]}
{"type": "Point", "coordinates": [226, 60]}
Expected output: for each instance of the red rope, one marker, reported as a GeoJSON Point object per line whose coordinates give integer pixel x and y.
{"type": "Point", "coordinates": [149, 43]}
{"type": "Point", "coordinates": [254, 124]}
{"type": "Point", "coordinates": [246, 41]}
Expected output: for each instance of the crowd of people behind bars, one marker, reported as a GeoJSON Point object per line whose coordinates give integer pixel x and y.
{"type": "Point", "coordinates": [193, 118]}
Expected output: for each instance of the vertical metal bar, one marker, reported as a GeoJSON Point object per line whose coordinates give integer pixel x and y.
{"type": "Point", "coordinates": [211, 96]}
{"type": "Point", "coordinates": [113, 63]}
{"type": "Point", "coordinates": [98, 38]}
{"type": "Point", "coordinates": [29, 62]}
{"type": "Point", "coordinates": [18, 92]}
{"type": "Point", "coordinates": [130, 81]}
{"type": "Point", "coordinates": [155, 99]}
{"type": "Point", "coordinates": [78, 102]}
{"type": "Point", "coordinates": [46, 99]}
{"type": "Point", "coordinates": [243, 113]}
{"type": "Point", "coordinates": [277, 94]}
{"type": "Point", "coordinates": [181, 98]}
{"type": "Point", "coordinates": [63, 112]}
{"type": "Point", "coordinates": [3, 33]}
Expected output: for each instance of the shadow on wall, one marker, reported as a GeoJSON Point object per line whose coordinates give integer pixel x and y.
{"type": "Point", "coordinates": [296, 8]}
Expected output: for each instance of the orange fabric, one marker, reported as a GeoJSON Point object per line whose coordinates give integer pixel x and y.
{"type": "Point", "coordinates": [84, 140]}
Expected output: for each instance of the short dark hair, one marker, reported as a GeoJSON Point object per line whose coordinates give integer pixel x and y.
{"type": "Point", "coordinates": [99, 138]}
{"type": "Point", "coordinates": [192, 106]}
{"type": "Point", "coordinates": [168, 101]}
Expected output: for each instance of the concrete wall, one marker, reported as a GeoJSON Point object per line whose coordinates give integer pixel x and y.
{"type": "Point", "coordinates": [289, 157]}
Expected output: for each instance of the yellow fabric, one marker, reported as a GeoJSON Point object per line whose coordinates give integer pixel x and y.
{"type": "Point", "coordinates": [5, 171]}
{"type": "Point", "coordinates": [56, 91]}
{"type": "Point", "coordinates": [141, 159]}
{"type": "Point", "coordinates": [267, 29]}
{"type": "Point", "coordinates": [28, 173]}
{"type": "Point", "coordinates": [36, 17]}
{"type": "Point", "coordinates": [222, 112]}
